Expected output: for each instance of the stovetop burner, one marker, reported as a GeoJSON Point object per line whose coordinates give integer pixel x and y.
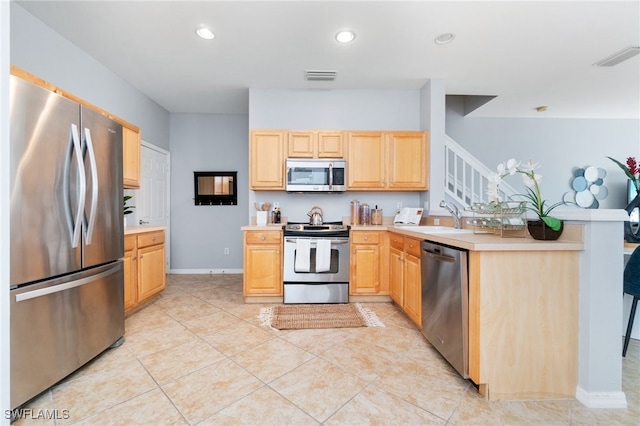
{"type": "Point", "coordinates": [326, 229]}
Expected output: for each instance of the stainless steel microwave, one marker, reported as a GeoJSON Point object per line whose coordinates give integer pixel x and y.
{"type": "Point", "coordinates": [316, 175]}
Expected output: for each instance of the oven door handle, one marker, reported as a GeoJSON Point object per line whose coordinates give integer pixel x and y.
{"type": "Point", "coordinates": [333, 242]}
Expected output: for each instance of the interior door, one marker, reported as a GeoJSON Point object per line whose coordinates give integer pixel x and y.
{"type": "Point", "coordinates": [152, 199]}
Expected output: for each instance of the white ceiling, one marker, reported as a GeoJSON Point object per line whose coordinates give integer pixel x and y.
{"type": "Point", "coordinates": [527, 54]}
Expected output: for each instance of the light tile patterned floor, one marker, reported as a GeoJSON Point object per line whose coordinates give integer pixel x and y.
{"type": "Point", "coordinates": [198, 355]}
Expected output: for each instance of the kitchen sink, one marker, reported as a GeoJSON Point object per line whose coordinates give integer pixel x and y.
{"type": "Point", "coordinates": [435, 229]}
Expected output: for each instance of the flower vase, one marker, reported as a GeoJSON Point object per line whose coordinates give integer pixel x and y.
{"type": "Point", "coordinates": [630, 235]}
{"type": "Point", "coordinates": [541, 231]}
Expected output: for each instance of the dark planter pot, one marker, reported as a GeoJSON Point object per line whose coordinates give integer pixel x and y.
{"type": "Point", "coordinates": [540, 231]}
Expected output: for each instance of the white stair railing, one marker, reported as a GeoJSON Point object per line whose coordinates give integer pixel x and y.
{"type": "Point", "coordinates": [466, 178]}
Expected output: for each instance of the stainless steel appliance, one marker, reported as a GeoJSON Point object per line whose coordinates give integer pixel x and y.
{"type": "Point", "coordinates": [315, 216]}
{"type": "Point", "coordinates": [66, 294]}
{"type": "Point", "coordinates": [445, 302]}
{"type": "Point", "coordinates": [316, 263]}
{"type": "Point", "coordinates": [316, 175]}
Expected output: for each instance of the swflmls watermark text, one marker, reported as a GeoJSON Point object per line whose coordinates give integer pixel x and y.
{"type": "Point", "coordinates": [36, 414]}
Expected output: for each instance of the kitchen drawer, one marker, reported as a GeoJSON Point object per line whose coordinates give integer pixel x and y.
{"type": "Point", "coordinates": [129, 242]}
{"type": "Point", "coordinates": [364, 237]}
{"type": "Point", "coordinates": [263, 237]}
{"type": "Point", "coordinates": [396, 241]}
{"type": "Point", "coordinates": [412, 246]}
{"type": "Point", "coordinates": [150, 239]}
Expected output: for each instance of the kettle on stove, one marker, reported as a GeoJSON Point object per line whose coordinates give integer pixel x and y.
{"type": "Point", "coordinates": [315, 216]}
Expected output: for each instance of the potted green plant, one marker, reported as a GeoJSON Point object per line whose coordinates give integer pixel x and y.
{"type": "Point", "coordinates": [547, 227]}
{"type": "Point", "coordinates": [126, 209]}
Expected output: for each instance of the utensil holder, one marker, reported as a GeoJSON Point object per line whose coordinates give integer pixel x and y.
{"type": "Point", "coordinates": [261, 218]}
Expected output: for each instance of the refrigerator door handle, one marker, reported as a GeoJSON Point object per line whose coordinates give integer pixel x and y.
{"type": "Point", "coordinates": [66, 286]}
{"type": "Point", "coordinates": [90, 224]}
{"type": "Point", "coordinates": [74, 224]}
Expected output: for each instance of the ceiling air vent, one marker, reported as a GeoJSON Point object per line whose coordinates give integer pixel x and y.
{"type": "Point", "coordinates": [320, 75]}
{"type": "Point", "coordinates": [616, 58]}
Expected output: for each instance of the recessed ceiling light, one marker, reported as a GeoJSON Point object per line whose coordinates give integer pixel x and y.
{"type": "Point", "coordinates": [444, 38]}
{"type": "Point", "coordinates": [541, 108]}
{"type": "Point", "coordinates": [205, 33]}
{"type": "Point", "coordinates": [345, 36]}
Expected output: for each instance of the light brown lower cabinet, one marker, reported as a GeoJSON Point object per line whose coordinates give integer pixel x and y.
{"type": "Point", "coordinates": [262, 263]}
{"type": "Point", "coordinates": [405, 282]}
{"type": "Point", "coordinates": [368, 266]}
{"type": "Point", "coordinates": [144, 267]}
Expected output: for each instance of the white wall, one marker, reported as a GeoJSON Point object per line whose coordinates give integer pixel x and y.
{"type": "Point", "coordinates": [559, 145]}
{"type": "Point", "coordinates": [41, 51]}
{"type": "Point", "coordinates": [334, 109]}
{"type": "Point", "coordinates": [4, 210]}
{"type": "Point", "coordinates": [199, 234]}
{"type": "Point", "coordinates": [432, 117]}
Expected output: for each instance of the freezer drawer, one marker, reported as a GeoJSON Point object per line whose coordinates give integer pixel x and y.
{"type": "Point", "coordinates": [59, 325]}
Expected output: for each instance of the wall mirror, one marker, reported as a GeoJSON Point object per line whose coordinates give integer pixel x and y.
{"type": "Point", "coordinates": [215, 188]}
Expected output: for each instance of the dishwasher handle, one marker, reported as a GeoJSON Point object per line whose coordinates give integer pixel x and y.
{"type": "Point", "coordinates": [439, 257]}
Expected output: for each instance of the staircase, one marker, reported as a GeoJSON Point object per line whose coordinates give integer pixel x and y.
{"type": "Point", "coordinates": [466, 178]}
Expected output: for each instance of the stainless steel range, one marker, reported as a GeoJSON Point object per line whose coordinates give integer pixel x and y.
{"type": "Point", "coordinates": [316, 263]}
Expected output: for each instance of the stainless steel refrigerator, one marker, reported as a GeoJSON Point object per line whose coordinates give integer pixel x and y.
{"type": "Point", "coordinates": [67, 294]}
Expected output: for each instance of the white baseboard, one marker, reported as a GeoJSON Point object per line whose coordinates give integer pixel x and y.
{"type": "Point", "coordinates": [205, 271]}
{"type": "Point", "coordinates": [601, 399]}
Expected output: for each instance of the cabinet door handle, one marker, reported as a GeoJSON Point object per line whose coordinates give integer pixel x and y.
{"type": "Point", "coordinates": [262, 238]}
{"type": "Point", "coordinates": [133, 258]}
{"type": "Point", "coordinates": [366, 238]}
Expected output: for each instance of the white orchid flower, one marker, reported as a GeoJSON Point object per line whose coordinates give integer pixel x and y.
{"type": "Point", "coordinates": [528, 179]}
{"type": "Point", "coordinates": [501, 169]}
{"type": "Point", "coordinates": [493, 195]}
{"type": "Point", "coordinates": [512, 166]}
{"type": "Point", "coordinates": [530, 166]}
{"type": "Point", "coordinates": [494, 178]}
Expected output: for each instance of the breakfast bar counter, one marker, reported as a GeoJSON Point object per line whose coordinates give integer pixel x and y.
{"type": "Point", "coordinates": [570, 240]}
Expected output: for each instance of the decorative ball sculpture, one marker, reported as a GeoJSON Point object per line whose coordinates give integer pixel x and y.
{"type": "Point", "coordinates": [588, 187]}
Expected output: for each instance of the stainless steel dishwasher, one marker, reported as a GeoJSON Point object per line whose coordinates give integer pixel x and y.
{"type": "Point", "coordinates": [445, 302]}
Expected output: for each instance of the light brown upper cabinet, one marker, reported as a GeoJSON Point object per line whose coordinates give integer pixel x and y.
{"type": "Point", "coordinates": [315, 144]}
{"type": "Point", "coordinates": [393, 161]}
{"type": "Point", "coordinates": [366, 161]}
{"type": "Point", "coordinates": [130, 158]}
{"type": "Point", "coordinates": [407, 159]}
{"type": "Point", "coordinates": [266, 159]}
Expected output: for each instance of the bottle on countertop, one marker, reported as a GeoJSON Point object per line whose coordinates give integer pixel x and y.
{"type": "Point", "coordinates": [376, 216]}
{"type": "Point", "coordinates": [355, 212]}
{"type": "Point", "coordinates": [365, 214]}
{"type": "Point", "coordinates": [278, 216]}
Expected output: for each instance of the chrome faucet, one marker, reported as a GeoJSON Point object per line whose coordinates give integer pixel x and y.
{"type": "Point", "coordinates": [454, 212]}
